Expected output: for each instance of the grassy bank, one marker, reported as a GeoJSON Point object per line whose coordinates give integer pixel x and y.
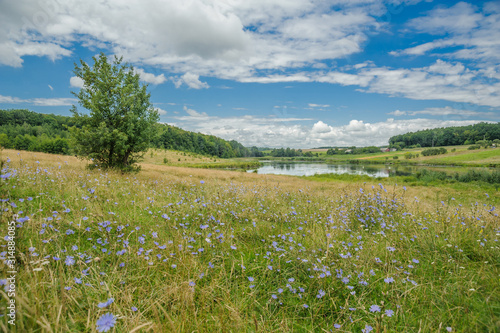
{"type": "Point", "coordinates": [180, 249]}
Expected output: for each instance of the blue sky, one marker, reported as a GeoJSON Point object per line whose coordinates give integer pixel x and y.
{"type": "Point", "coordinates": [292, 73]}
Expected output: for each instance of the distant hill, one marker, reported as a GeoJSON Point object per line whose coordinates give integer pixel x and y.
{"type": "Point", "coordinates": [27, 130]}
{"type": "Point", "coordinates": [447, 136]}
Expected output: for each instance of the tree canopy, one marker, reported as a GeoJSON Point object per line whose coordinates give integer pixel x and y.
{"type": "Point", "coordinates": [120, 126]}
{"type": "Point", "coordinates": [448, 136]}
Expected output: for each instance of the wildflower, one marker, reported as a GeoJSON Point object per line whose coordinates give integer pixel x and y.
{"type": "Point", "coordinates": [106, 304]}
{"type": "Point", "coordinates": [389, 313]}
{"type": "Point", "coordinates": [391, 249]}
{"type": "Point", "coordinates": [415, 261]}
{"type": "Point", "coordinates": [305, 306]}
{"type": "Point", "coordinates": [69, 260]}
{"type": "Point", "coordinates": [250, 279]}
{"type": "Point", "coordinates": [374, 308]}
{"type": "Point", "coordinates": [78, 281]}
{"type": "Point", "coordinates": [367, 329]}
{"type": "Point", "coordinates": [337, 326]}
{"type": "Point", "coordinates": [106, 322]}
{"type": "Point", "coordinates": [449, 329]}
{"type": "Point", "coordinates": [134, 309]}
{"type": "Point", "coordinates": [389, 280]}
{"type": "Point", "coordinates": [192, 284]}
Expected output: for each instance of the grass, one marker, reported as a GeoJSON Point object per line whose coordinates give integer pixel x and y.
{"type": "Point", "coordinates": [185, 250]}
{"type": "Point", "coordinates": [460, 156]}
{"type": "Point", "coordinates": [193, 160]}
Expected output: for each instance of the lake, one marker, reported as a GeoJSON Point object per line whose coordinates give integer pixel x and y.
{"type": "Point", "coordinates": [310, 169]}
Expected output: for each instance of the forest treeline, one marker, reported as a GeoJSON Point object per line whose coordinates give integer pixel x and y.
{"type": "Point", "coordinates": [449, 136]}
{"type": "Point", "coordinates": [27, 130]}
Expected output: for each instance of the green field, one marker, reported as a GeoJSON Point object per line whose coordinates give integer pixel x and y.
{"type": "Point", "coordinates": [193, 250]}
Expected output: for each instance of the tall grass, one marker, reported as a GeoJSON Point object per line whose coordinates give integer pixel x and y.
{"type": "Point", "coordinates": [193, 252]}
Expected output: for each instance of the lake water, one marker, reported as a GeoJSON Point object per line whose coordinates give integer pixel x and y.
{"type": "Point", "coordinates": [310, 169]}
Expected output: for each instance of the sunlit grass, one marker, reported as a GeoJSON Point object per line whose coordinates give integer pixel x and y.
{"type": "Point", "coordinates": [187, 250]}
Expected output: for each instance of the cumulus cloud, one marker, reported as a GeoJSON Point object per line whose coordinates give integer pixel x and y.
{"type": "Point", "coordinates": [161, 112]}
{"type": "Point", "coordinates": [150, 77]}
{"type": "Point", "coordinates": [296, 133]}
{"type": "Point", "coordinates": [76, 82]}
{"type": "Point", "coordinates": [265, 41]}
{"type": "Point", "coordinates": [191, 80]}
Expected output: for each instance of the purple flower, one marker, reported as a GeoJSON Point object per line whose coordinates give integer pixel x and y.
{"type": "Point", "coordinates": [250, 279]}
{"type": "Point", "coordinates": [367, 329]}
{"type": "Point", "coordinates": [389, 313]}
{"type": "Point", "coordinates": [78, 281]}
{"type": "Point", "coordinates": [415, 261]}
{"type": "Point", "coordinates": [192, 284]}
{"type": "Point", "coordinates": [337, 326]}
{"type": "Point", "coordinates": [134, 309]}
{"type": "Point", "coordinates": [305, 306]}
{"type": "Point", "coordinates": [69, 260]}
{"type": "Point", "coordinates": [374, 308]}
{"type": "Point", "coordinates": [449, 329]}
{"type": "Point", "coordinates": [106, 322]}
{"type": "Point", "coordinates": [389, 280]}
{"type": "Point", "coordinates": [106, 304]}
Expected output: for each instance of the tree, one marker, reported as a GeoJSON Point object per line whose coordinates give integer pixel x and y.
{"type": "Point", "coordinates": [120, 126]}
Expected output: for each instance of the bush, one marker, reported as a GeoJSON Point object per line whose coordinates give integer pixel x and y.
{"type": "Point", "coordinates": [434, 151]}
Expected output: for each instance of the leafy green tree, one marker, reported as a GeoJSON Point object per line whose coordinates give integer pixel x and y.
{"type": "Point", "coordinates": [120, 126]}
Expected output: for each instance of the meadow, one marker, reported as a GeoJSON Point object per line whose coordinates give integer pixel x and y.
{"type": "Point", "coordinates": [456, 155]}
{"type": "Point", "coordinates": [193, 250]}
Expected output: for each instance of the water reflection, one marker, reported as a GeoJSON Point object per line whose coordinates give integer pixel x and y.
{"type": "Point", "coordinates": [310, 169]}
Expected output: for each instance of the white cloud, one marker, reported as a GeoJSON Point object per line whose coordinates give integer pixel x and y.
{"type": "Point", "coordinates": [473, 33]}
{"type": "Point", "coordinates": [312, 105]}
{"type": "Point", "coordinates": [191, 80]}
{"type": "Point", "coordinates": [194, 113]}
{"type": "Point", "coordinates": [10, 99]}
{"type": "Point", "coordinates": [150, 77]}
{"type": "Point", "coordinates": [264, 41]}
{"type": "Point", "coordinates": [321, 127]}
{"type": "Point", "coordinates": [447, 111]}
{"type": "Point", "coordinates": [50, 87]}
{"type": "Point", "coordinates": [38, 101]}
{"type": "Point", "coordinates": [231, 38]}
{"type": "Point", "coordinates": [161, 112]}
{"type": "Point", "coordinates": [293, 132]}
{"type": "Point", "coordinates": [52, 101]}
{"type": "Point", "coordinates": [76, 82]}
